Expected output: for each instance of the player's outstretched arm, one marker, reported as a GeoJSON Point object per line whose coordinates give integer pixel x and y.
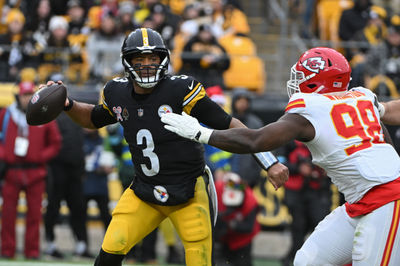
{"type": "Point", "coordinates": [242, 140]}
{"type": "Point", "coordinates": [391, 115]}
{"type": "Point", "coordinates": [270, 137]}
{"type": "Point", "coordinates": [79, 112]}
{"type": "Point", "coordinates": [278, 173]}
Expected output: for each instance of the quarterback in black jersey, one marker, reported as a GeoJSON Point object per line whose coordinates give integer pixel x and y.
{"type": "Point", "coordinates": [170, 179]}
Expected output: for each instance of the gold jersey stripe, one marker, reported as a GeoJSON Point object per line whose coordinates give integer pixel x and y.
{"type": "Point", "coordinates": [192, 92]}
{"type": "Point", "coordinates": [145, 37]}
{"type": "Point", "coordinates": [189, 106]}
{"type": "Point", "coordinates": [105, 104]}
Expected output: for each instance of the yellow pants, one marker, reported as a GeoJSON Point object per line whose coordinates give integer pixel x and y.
{"type": "Point", "coordinates": [168, 232]}
{"type": "Point", "coordinates": [133, 219]}
{"type": "Point", "coordinates": [329, 12]}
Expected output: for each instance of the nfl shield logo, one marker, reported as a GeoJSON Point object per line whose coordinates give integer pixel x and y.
{"type": "Point", "coordinates": [140, 112]}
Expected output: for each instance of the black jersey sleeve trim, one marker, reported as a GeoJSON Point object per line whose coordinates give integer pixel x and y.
{"type": "Point", "coordinates": [211, 114]}
{"type": "Point", "coordinates": [101, 117]}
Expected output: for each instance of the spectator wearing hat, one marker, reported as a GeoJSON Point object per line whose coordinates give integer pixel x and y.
{"type": "Point", "coordinates": [16, 48]}
{"type": "Point", "coordinates": [99, 163]}
{"type": "Point", "coordinates": [191, 20]}
{"type": "Point", "coordinates": [26, 151]}
{"type": "Point", "coordinates": [56, 50]}
{"type": "Point", "coordinates": [204, 58]}
{"type": "Point", "coordinates": [78, 33]}
{"type": "Point", "coordinates": [165, 22]}
{"type": "Point", "coordinates": [228, 19]}
{"type": "Point", "coordinates": [237, 224]}
{"type": "Point", "coordinates": [38, 21]}
{"type": "Point", "coordinates": [65, 183]}
{"type": "Point", "coordinates": [352, 21]}
{"type": "Point", "coordinates": [96, 12]}
{"type": "Point", "coordinates": [103, 49]}
{"type": "Point", "coordinates": [77, 19]}
{"type": "Point", "coordinates": [218, 160]}
{"type": "Point", "coordinates": [307, 195]}
{"type": "Point", "coordinates": [382, 67]}
{"type": "Point", "coordinates": [371, 35]}
{"type": "Point", "coordinates": [244, 164]}
{"type": "Point", "coordinates": [125, 12]}
{"type": "Point", "coordinates": [143, 10]}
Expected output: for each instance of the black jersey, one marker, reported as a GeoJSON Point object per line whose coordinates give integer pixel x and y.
{"type": "Point", "coordinates": [159, 156]}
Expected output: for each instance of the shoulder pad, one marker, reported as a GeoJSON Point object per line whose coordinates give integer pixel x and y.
{"type": "Point", "coordinates": [296, 101]}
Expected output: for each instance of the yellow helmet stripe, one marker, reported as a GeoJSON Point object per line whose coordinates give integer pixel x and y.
{"type": "Point", "coordinates": [145, 37]}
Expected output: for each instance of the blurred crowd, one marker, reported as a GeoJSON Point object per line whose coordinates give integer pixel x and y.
{"type": "Point", "coordinates": [367, 32]}
{"type": "Point", "coordinates": [81, 39]}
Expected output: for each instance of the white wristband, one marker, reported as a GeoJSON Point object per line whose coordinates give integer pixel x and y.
{"type": "Point", "coordinates": [381, 109]}
{"type": "Point", "coordinates": [204, 134]}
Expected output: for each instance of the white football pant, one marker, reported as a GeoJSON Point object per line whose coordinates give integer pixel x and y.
{"type": "Point", "coordinates": [368, 240]}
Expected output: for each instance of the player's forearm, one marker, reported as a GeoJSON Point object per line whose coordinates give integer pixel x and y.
{"type": "Point", "coordinates": [245, 140]}
{"type": "Point", "coordinates": [264, 159]}
{"type": "Point", "coordinates": [392, 113]}
{"type": "Point", "coordinates": [238, 140]}
{"type": "Point", "coordinates": [80, 113]}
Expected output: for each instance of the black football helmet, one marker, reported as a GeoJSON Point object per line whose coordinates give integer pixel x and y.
{"type": "Point", "coordinates": [141, 41]}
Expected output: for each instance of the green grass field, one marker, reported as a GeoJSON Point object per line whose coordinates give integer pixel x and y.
{"type": "Point", "coordinates": [21, 262]}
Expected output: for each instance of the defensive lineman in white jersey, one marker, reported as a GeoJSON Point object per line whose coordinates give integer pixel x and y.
{"type": "Point", "coordinates": [342, 129]}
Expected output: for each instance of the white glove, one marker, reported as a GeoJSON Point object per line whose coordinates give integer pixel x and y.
{"type": "Point", "coordinates": [381, 109]}
{"type": "Point", "coordinates": [186, 126]}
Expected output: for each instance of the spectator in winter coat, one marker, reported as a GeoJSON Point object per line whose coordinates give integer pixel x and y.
{"type": "Point", "coordinates": [26, 150]}
{"type": "Point", "coordinates": [237, 224]}
{"type": "Point", "coordinates": [244, 164]}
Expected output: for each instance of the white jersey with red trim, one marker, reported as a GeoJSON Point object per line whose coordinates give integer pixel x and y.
{"type": "Point", "coordinates": [349, 142]}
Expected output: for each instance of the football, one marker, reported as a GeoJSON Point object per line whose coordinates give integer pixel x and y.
{"type": "Point", "coordinates": [46, 104]}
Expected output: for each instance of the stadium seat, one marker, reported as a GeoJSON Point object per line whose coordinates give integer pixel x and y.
{"type": "Point", "coordinates": [7, 92]}
{"type": "Point", "coordinates": [247, 72]}
{"type": "Point", "coordinates": [238, 45]}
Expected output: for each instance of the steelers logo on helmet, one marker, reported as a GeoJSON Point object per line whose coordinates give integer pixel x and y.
{"type": "Point", "coordinates": [164, 109]}
{"type": "Point", "coordinates": [161, 193]}
{"type": "Point", "coordinates": [140, 42]}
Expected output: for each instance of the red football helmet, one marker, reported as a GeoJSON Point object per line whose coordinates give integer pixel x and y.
{"type": "Point", "coordinates": [319, 70]}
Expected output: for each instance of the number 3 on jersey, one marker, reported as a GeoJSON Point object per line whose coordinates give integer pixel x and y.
{"type": "Point", "coordinates": [347, 122]}
{"type": "Point", "coordinates": [148, 152]}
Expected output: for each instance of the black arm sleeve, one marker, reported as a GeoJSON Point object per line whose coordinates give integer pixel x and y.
{"type": "Point", "coordinates": [211, 114]}
{"type": "Point", "coordinates": [101, 117]}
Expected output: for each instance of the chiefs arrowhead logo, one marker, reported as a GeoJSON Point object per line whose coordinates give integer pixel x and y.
{"type": "Point", "coordinates": [314, 64]}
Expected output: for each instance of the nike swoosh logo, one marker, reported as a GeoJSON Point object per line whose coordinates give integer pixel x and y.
{"type": "Point", "coordinates": [191, 86]}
